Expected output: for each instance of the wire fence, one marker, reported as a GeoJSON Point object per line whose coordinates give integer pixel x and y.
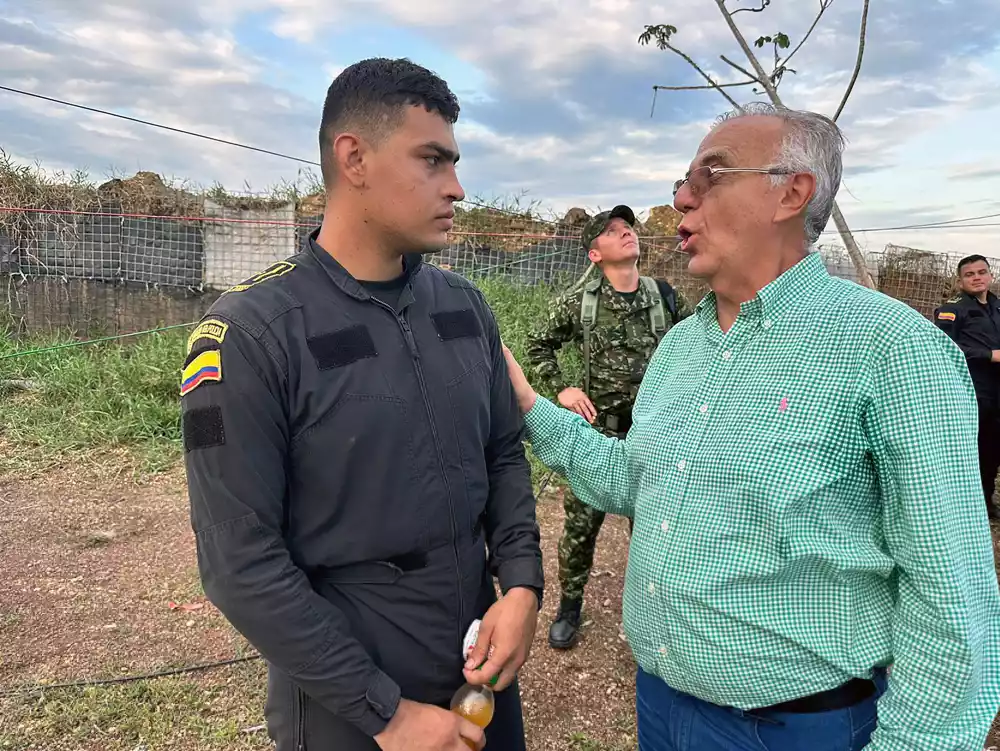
{"type": "Point", "coordinates": [106, 271]}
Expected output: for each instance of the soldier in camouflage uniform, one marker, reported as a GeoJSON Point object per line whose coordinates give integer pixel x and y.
{"type": "Point", "coordinates": [621, 341]}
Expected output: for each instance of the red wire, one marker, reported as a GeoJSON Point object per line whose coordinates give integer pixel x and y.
{"type": "Point", "coordinates": [275, 223]}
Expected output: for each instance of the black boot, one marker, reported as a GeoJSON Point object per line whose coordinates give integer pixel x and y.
{"type": "Point", "coordinates": [566, 626]}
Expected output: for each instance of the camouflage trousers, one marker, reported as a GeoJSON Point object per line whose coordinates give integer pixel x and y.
{"type": "Point", "coordinates": [577, 544]}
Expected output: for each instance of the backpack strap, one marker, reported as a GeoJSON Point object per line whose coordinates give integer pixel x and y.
{"type": "Point", "coordinates": [669, 296]}
{"type": "Point", "coordinates": [657, 316]}
{"type": "Point", "coordinates": [588, 316]}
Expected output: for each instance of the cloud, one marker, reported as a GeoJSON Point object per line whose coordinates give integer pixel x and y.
{"type": "Point", "coordinates": [199, 81]}
{"type": "Point", "coordinates": [556, 96]}
{"type": "Point", "coordinates": [976, 173]}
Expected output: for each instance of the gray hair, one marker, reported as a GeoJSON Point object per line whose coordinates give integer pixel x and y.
{"type": "Point", "coordinates": [814, 144]}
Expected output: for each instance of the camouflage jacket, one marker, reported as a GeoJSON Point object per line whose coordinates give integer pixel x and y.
{"type": "Point", "coordinates": [621, 343]}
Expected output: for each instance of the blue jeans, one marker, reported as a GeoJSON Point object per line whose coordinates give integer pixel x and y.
{"type": "Point", "coordinates": [671, 721]}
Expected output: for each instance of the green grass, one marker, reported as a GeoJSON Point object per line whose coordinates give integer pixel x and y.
{"type": "Point", "coordinates": [119, 402]}
{"type": "Point", "coordinates": [90, 400]}
{"type": "Point", "coordinates": [519, 309]}
{"type": "Point", "coordinates": [210, 711]}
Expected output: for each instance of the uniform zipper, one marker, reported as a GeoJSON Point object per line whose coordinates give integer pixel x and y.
{"type": "Point", "coordinates": [301, 718]}
{"type": "Point", "coordinates": [415, 353]}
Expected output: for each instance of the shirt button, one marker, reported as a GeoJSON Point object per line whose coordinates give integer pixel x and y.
{"type": "Point", "coordinates": [682, 464]}
{"type": "Point", "coordinates": [726, 355]}
{"type": "Point", "coordinates": [652, 588]}
{"type": "Point", "coordinates": [664, 526]}
{"type": "Point", "coordinates": [767, 323]}
{"type": "Point", "coordinates": [703, 408]}
{"type": "Point", "coordinates": [662, 650]}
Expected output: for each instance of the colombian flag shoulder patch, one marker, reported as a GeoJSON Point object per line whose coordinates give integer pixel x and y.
{"type": "Point", "coordinates": [946, 315]}
{"type": "Point", "coordinates": [207, 366]}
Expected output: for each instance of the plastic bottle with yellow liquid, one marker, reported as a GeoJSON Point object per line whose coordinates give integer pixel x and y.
{"type": "Point", "coordinates": [474, 703]}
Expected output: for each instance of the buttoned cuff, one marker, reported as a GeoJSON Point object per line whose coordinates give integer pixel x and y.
{"type": "Point", "coordinates": [522, 572]}
{"type": "Point", "coordinates": [383, 696]}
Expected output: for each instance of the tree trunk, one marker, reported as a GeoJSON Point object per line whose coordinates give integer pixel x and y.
{"type": "Point", "coordinates": [857, 258]}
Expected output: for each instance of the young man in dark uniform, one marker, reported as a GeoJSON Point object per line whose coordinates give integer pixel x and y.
{"type": "Point", "coordinates": [972, 319]}
{"type": "Point", "coordinates": [354, 453]}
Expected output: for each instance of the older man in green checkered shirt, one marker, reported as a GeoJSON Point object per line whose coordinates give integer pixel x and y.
{"type": "Point", "coordinates": [802, 472]}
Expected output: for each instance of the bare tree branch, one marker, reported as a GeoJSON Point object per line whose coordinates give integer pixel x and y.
{"type": "Point", "coordinates": [661, 33]}
{"type": "Point", "coordinates": [712, 84]}
{"type": "Point", "coordinates": [857, 64]}
{"type": "Point", "coordinates": [764, 4]}
{"type": "Point", "coordinates": [823, 5]}
{"type": "Point", "coordinates": [741, 69]}
{"type": "Point", "coordinates": [762, 77]}
{"type": "Point", "coordinates": [700, 88]}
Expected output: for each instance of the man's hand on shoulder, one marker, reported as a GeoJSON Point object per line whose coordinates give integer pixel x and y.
{"type": "Point", "coordinates": [996, 356]}
{"type": "Point", "coordinates": [576, 400]}
{"type": "Point", "coordinates": [422, 727]}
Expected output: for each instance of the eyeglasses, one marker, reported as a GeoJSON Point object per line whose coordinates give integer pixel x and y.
{"type": "Point", "coordinates": [701, 179]}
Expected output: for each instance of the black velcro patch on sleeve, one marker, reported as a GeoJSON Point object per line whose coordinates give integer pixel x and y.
{"type": "Point", "coordinates": [198, 349]}
{"type": "Point", "coordinates": [203, 428]}
{"type": "Point", "coordinates": [455, 324]}
{"type": "Point", "coordinates": [342, 347]}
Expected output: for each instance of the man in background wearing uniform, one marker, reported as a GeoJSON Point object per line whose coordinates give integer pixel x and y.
{"type": "Point", "coordinates": [972, 319]}
{"type": "Point", "coordinates": [354, 448]}
{"type": "Point", "coordinates": [617, 320]}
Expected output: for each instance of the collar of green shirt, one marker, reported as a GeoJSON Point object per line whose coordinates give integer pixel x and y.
{"type": "Point", "coordinates": [776, 298]}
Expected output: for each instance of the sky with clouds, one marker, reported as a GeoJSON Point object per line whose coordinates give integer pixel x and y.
{"type": "Point", "coordinates": [555, 94]}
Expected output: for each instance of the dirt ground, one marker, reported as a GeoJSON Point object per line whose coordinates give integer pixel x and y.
{"type": "Point", "coordinates": [92, 566]}
{"type": "Point", "coordinates": [101, 581]}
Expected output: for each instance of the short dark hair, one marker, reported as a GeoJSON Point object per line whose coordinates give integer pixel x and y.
{"type": "Point", "coordinates": [971, 259]}
{"type": "Point", "coordinates": [370, 97]}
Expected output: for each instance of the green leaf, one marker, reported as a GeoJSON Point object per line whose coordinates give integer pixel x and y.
{"type": "Point", "coordinates": [660, 33]}
{"type": "Point", "coordinates": [782, 40]}
{"type": "Point", "coordinates": [761, 41]}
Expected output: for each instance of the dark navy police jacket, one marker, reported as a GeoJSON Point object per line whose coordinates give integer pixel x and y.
{"type": "Point", "coordinates": [975, 327]}
{"type": "Point", "coordinates": [357, 477]}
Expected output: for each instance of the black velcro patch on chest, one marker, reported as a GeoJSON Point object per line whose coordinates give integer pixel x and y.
{"type": "Point", "coordinates": [455, 324]}
{"type": "Point", "coordinates": [340, 348]}
{"type": "Point", "coordinates": [203, 428]}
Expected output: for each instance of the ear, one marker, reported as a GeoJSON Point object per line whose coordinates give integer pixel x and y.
{"type": "Point", "coordinates": [349, 152]}
{"type": "Point", "coordinates": [796, 192]}
{"type": "Point", "coordinates": [594, 255]}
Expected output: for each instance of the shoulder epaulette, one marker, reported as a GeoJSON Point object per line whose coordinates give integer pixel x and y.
{"type": "Point", "coordinates": [271, 272]}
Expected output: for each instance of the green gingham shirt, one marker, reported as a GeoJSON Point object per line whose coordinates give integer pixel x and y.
{"type": "Point", "coordinates": [807, 506]}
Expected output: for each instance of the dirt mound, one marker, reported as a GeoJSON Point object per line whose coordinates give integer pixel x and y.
{"type": "Point", "coordinates": [146, 193]}
{"type": "Point", "coordinates": [663, 220]}
{"type": "Point", "coordinates": [576, 217]}
{"type": "Point", "coordinates": [312, 205]}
